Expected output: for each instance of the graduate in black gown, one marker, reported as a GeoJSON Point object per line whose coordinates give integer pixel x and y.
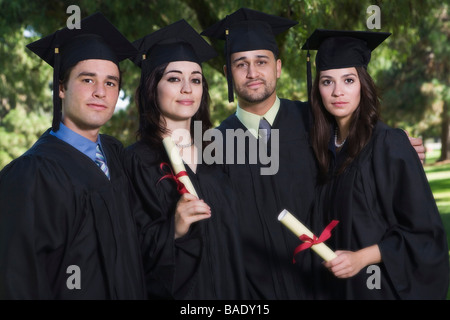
{"type": "Point", "coordinates": [288, 180]}
{"type": "Point", "coordinates": [67, 229]}
{"type": "Point", "coordinates": [172, 95]}
{"type": "Point", "coordinates": [390, 240]}
{"type": "Point", "coordinates": [252, 68]}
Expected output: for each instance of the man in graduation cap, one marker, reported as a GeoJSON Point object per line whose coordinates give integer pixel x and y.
{"type": "Point", "coordinates": [252, 69]}
{"type": "Point", "coordinates": [66, 226]}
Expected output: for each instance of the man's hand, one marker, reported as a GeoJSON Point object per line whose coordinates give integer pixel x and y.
{"type": "Point", "coordinates": [417, 143]}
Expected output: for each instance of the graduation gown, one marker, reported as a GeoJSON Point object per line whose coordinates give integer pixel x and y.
{"type": "Point", "coordinates": [208, 260]}
{"type": "Point", "coordinates": [268, 245]}
{"type": "Point", "coordinates": [64, 224]}
{"type": "Point", "coordinates": [384, 198]}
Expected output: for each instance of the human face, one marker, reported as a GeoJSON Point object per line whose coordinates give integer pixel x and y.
{"type": "Point", "coordinates": [255, 75]}
{"type": "Point", "coordinates": [90, 96]}
{"type": "Point", "coordinates": [180, 90]}
{"type": "Point", "coordinates": [340, 90]}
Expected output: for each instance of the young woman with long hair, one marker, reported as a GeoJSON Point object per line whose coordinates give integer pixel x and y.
{"type": "Point", "coordinates": [390, 240]}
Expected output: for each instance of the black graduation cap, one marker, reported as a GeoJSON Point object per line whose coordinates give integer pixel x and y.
{"type": "Point", "coordinates": [96, 39]}
{"type": "Point", "coordinates": [175, 42]}
{"type": "Point", "coordinates": [247, 30]}
{"type": "Point", "coordinates": [341, 49]}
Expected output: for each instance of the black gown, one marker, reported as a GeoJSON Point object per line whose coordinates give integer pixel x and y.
{"type": "Point", "coordinates": [268, 245]}
{"type": "Point", "coordinates": [208, 263]}
{"type": "Point", "coordinates": [384, 198]}
{"type": "Point", "coordinates": [59, 211]}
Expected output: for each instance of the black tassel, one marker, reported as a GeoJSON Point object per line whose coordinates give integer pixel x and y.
{"type": "Point", "coordinates": [141, 108]}
{"type": "Point", "coordinates": [228, 63]}
{"type": "Point", "coordinates": [56, 99]}
{"type": "Point", "coordinates": [308, 75]}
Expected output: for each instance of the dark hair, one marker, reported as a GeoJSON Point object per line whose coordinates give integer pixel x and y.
{"type": "Point", "coordinates": [362, 123]}
{"type": "Point", "coordinates": [150, 128]}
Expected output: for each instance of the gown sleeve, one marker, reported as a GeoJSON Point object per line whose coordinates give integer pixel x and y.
{"type": "Point", "coordinates": [32, 236]}
{"type": "Point", "coordinates": [169, 264]}
{"type": "Point", "coordinates": [414, 248]}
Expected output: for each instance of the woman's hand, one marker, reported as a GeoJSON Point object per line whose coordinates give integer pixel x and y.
{"type": "Point", "coordinates": [189, 209]}
{"type": "Point", "coordinates": [349, 263]}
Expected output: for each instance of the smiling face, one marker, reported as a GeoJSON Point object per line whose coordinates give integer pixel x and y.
{"type": "Point", "coordinates": [180, 91]}
{"type": "Point", "coordinates": [340, 90]}
{"type": "Point", "coordinates": [255, 75]}
{"type": "Point", "coordinates": [90, 96]}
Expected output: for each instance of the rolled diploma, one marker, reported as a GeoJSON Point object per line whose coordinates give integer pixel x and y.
{"type": "Point", "coordinates": [299, 228]}
{"type": "Point", "coordinates": [177, 164]}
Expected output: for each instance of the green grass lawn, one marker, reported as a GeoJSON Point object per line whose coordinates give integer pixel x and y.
{"type": "Point", "coordinates": [438, 175]}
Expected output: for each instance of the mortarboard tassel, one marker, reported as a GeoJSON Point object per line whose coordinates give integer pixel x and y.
{"type": "Point", "coordinates": [141, 108]}
{"type": "Point", "coordinates": [308, 75]}
{"type": "Point", "coordinates": [56, 100]}
{"type": "Point", "coordinates": [228, 62]}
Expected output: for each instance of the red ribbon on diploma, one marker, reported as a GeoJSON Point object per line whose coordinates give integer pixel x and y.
{"type": "Point", "coordinates": [180, 185]}
{"type": "Point", "coordinates": [308, 242]}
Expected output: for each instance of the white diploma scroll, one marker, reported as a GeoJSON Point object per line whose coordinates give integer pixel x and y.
{"type": "Point", "coordinates": [177, 164]}
{"type": "Point", "coordinates": [298, 228]}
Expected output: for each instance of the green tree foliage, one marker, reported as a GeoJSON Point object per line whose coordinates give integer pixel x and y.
{"type": "Point", "coordinates": [25, 96]}
{"type": "Point", "coordinates": [19, 131]}
{"type": "Point", "coordinates": [411, 68]}
{"type": "Point", "coordinates": [24, 80]}
{"type": "Point", "coordinates": [416, 83]}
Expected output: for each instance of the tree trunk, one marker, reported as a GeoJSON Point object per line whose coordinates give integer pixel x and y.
{"type": "Point", "coordinates": [445, 135]}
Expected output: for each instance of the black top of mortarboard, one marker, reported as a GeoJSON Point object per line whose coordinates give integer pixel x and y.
{"type": "Point", "coordinates": [96, 39]}
{"type": "Point", "coordinates": [175, 42]}
{"type": "Point", "coordinates": [249, 30]}
{"type": "Point", "coordinates": [342, 49]}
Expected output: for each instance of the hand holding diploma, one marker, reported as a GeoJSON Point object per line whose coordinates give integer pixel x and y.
{"type": "Point", "coordinates": [177, 165]}
{"type": "Point", "coordinates": [310, 240]}
{"type": "Point", "coordinates": [190, 208]}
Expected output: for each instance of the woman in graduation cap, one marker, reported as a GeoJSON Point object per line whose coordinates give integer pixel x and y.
{"type": "Point", "coordinates": [172, 95]}
{"type": "Point", "coordinates": [390, 240]}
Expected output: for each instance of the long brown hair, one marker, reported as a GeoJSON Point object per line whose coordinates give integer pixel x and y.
{"type": "Point", "coordinates": [362, 123]}
{"type": "Point", "coordinates": [150, 128]}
